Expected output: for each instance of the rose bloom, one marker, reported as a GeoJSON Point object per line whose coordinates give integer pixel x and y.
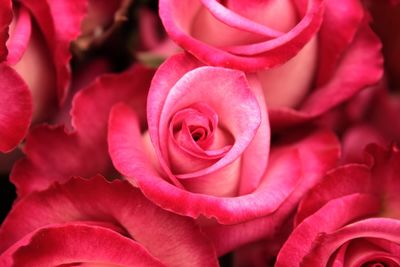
{"type": "Point", "coordinates": [206, 153]}
{"type": "Point", "coordinates": [351, 218]}
{"type": "Point", "coordinates": [308, 55]}
{"type": "Point", "coordinates": [93, 222]}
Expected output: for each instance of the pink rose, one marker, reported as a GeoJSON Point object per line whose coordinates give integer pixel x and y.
{"type": "Point", "coordinates": [207, 150]}
{"type": "Point", "coordinates": [309, 55]}
{"type": "Point", "coordinates": [351, 218]}
{"type": "Point", "coordinates": [99, 222]}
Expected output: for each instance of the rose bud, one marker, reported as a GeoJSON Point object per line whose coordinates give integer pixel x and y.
{"type": "Point", "coordinates": [351, 218]}
{"type": "Point", "coordinates": [309, 55]}
{"type": "Point", "coordinates": [206, 153]}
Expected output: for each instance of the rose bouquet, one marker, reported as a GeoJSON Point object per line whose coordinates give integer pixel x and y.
{"type": "Point", "coordinates": [200, 133]}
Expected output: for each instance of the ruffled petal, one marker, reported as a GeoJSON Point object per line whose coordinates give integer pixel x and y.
{"type": "Point", "coordinates": [170, 238]}
{"type": "Point", "coordinates": [313, 165]}
{"type": "Point", "coordinates": [178, 18]}
{"type": "Point", "coordinates": [73, 244]}
{"type": "Point", "coordinates": [341, 212]}
{"type": "Point", "coordinates": [383, 228]}
{"type": "Point", "coordinates": [82, 152]}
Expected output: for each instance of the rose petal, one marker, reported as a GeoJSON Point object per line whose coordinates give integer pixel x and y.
{"type": "Point", "coordinates": [59, 22]}
{"type": "Point", "coordinates": [375, 227]}
{"type": "Point", "coordinates": [356, 139]}
{"type": "Point", "coordinates": [77, 244]}
{"type": "Point", "coordinates": [313, 163]}
{"type": "Point", "coordinates": [341, 19]}
{"type": "Point", "coordinates": [19, 36]}
{"type": "Point", "coordinates": [168, 237]}
{"type": "Point", "coordinates": [346, 180]}
{"type": "Point", "coordinates": [15, 108]}
{"type": "Point", "coordinates": [82, 152]}
{"type": "Point", "coordinates": [177, 17]}
{"type": "Point", "coordinates": [359, 67]}
{"type": "Point", "coordinates": [6, 16]}
{"type": "Point", "coordinates": [341, 211]}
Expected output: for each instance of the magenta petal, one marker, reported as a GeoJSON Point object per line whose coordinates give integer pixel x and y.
{"type": "Point", "coordinates": [341, 19]}
{"type": "Point", "coordinates": [59, 22]}
{"type": "Point", "coordinates": [383, 228]}
{"type": "Point", "coordinates": [5, 20]}
{"type": "Point", "coordinates": [170, 238]}
{"type": "Point", "coordinates": [346, 180]}
{"type": "Point", "coordinates": [77, 244]}
{"type": "Point", "coordinates": [15, 108]}
{"type": "Point", "coordinates": [52, 154]}
{"type": "Point", "coordinates": [315, 153]}
{"type": "Point", "coordinates": [341, 212]}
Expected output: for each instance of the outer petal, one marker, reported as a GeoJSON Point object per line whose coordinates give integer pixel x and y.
{"type": "Point", "coordinates": [77, 244]}
{"type": "Point", "coordinates": [128, 155]}
{"type": "Point", "coordinates": [177, 18]}
{"type": "Point", "coordinates": [83, 151]}
{"type": "Point", "coordinates": [352, 75]}
{"type": "Point", "coordinates": [15, 108]}
{"type": "Point", "coordinates": [60, 23]}
{"type": "Point", "coordinates": [383, 228]}
{"type": "Point", "coordinates": [314, 164]}
{"type": "Point", "coordinates": [170, 238]}
{"type": "Point", "coordinates": [332, 216]}
{"type": "Point", "coordinates": [345, 180]}
{"type": "Point", "coordinates": [341, 21]}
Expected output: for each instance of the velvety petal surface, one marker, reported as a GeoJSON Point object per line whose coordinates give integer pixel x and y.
{"type": "Point", "coordinates": [15, 108]}
{"type": "Point", "coordinates": [77, 244]}
{"type": "Point", "coordinates": [178, 17]}
{"type": "Point", "coordinates": [351, 76]}
{"type": "Point", "coordinates": [335, 214]}
{"type": "Point", "coordinates": [54, 154]}
{"type": "Point", "coordinates": [313, 164]}
{"type": "Point", "coordinates": [383, 228]}
{"type": "Point", "coordinates": [172, 239]}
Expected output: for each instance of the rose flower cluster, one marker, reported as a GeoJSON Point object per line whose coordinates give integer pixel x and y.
{"type": "Point", "coordinates": [200, 133]}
